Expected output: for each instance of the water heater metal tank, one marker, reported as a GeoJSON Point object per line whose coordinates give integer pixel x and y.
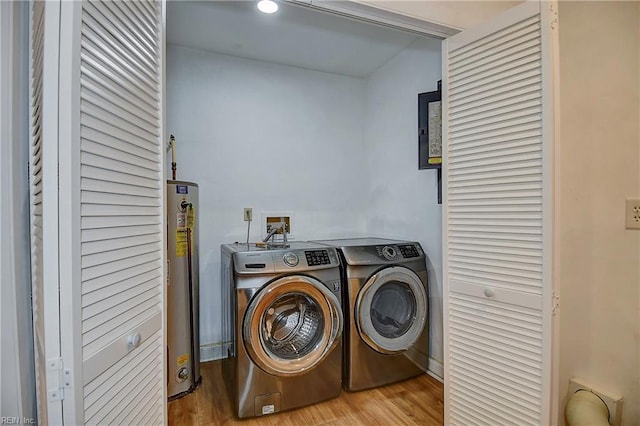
{"type": "Point", "coordinates": [183, 331]}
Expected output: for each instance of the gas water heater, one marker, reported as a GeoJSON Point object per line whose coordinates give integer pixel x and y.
{"type": "Point", "coordinates": [183, 331]}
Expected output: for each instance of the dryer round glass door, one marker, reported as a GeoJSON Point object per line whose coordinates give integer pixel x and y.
{"type": "Point", "coordinates": [391, 310]}
{"type": "Point", "coordinates": [291, 325]}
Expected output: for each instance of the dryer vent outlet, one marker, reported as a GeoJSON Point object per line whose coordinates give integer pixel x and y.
{"type": "Point", "coordinates": [612, 400]}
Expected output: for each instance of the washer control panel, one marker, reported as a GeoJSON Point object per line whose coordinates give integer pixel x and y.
{"type": "Point", "coordinates": [317, 257]}
{"type": "Point", "coordinates": [286, 260]}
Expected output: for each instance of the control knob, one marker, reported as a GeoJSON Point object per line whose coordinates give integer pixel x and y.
{"type": "Point", "coordinates": [291, 259]}
{"type": "Point", "coordinates": [389, 252]}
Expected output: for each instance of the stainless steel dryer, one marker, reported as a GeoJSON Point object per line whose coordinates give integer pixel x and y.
{"type": "Point", "coordinates": [283, 318]}
{"type": "Point", "coordinates": [386, 311]}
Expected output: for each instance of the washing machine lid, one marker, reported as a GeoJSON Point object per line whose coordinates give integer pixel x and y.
{"type": "Point", "coordinates": [391, 310]}
{"type": "Point", "coordinates": [291, 325]}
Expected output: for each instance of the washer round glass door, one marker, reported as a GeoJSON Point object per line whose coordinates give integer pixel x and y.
{"type": "Point", "coordinates": [291, 325]}
{"type": "Point", "coordinates": [391, 310]}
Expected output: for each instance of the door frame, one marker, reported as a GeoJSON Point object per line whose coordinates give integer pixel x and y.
{"type": "Point", "coordinates": [353, 10]}
{"type": "Point", "coordinates": [16, 286]}
{"type": "Point", "coordinates": [361, 11]}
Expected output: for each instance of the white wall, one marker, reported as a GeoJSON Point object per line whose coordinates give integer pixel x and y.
{"type": "Point", "coordinates": [17, 383]}
{"type": "Point", "coordinates": [402, 199]}
{"type": "Point", "coordinates": [599, 157]}
{"type": "Point", "coordinates": [267, 136]}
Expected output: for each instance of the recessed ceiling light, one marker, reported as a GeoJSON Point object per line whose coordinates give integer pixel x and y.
{"type": "Point", "coordinates": [267, 6]}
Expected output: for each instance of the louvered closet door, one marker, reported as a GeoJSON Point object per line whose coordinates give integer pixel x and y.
{"type": "Point", "coordinates": [497, 220]}
{"type": "Point", "coordinates": [43, 200]}
{"type": "Point", "coordinates": [114, 149]}
{"type": "Point", "coordinates": [35, 177]}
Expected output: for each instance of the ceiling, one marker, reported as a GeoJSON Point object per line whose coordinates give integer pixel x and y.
{"type": "Point", "coordinates": [295, 35]}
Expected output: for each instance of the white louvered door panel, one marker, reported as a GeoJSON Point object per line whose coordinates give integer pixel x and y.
{"type": "Point", "coordinates": [35, 177]}
{"type": "Point", "coordinates": [121, 212]}
{"type": "Point", "coordinates": [497, 222]}
{"type": "Point", "coordinates": [115, 213]}
{"type": "Point", "coordinates": [43, 187]}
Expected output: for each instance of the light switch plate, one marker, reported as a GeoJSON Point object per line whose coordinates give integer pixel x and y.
{"type": "Point", "coordinates": [632, 213]}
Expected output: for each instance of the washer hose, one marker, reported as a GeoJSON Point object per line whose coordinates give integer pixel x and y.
{"type": "Point", "coordinates": [585, 408]}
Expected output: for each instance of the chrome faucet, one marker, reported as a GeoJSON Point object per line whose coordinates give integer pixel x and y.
{"type": "Point", "coordinates": [271, 233]}
{"type": "Point", "coordinates": [282, 226]}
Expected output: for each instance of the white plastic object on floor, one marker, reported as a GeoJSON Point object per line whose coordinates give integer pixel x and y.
{"type": "Point", "coordinates": [584, 408]}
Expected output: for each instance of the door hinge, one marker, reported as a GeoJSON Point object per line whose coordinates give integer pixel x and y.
{"type": "Point", "coordinates": [553, 8]}
{"type": "Point", "coordinates": [58, 379]}
{"type": "Point", "coordinates": [555, 303]}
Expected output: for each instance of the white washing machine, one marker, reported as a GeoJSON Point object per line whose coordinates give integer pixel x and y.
{"type": "Point", "coordinates": [386, 308]}
{"type": "Point", "coordinates": [283, 318]}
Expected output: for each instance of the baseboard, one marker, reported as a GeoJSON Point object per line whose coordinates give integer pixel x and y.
{"type": "Point", "coordinates": [436, 370]}
{"type": "Point", "coordinates": [214, 351]}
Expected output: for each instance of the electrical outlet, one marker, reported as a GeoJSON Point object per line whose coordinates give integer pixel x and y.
{"type": "Point", "coordinates": [632, 213]}
{"type": "Point", "coordinates": [248, 214]}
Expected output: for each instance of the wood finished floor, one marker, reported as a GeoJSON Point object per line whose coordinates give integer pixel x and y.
{"type": "Point", "coordinates": [417, 401]}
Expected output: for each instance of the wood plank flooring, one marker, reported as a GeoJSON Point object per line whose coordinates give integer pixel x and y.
{"type": "Point", "coordinates": [417, 401]}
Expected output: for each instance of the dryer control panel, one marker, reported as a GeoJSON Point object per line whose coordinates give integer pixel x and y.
{"type": "Point", "coordinates": [398, 252]}
{"type": "Point", "coordinates": [408, 251]}
{"type": "Point", "coordinates": [378, 251]}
